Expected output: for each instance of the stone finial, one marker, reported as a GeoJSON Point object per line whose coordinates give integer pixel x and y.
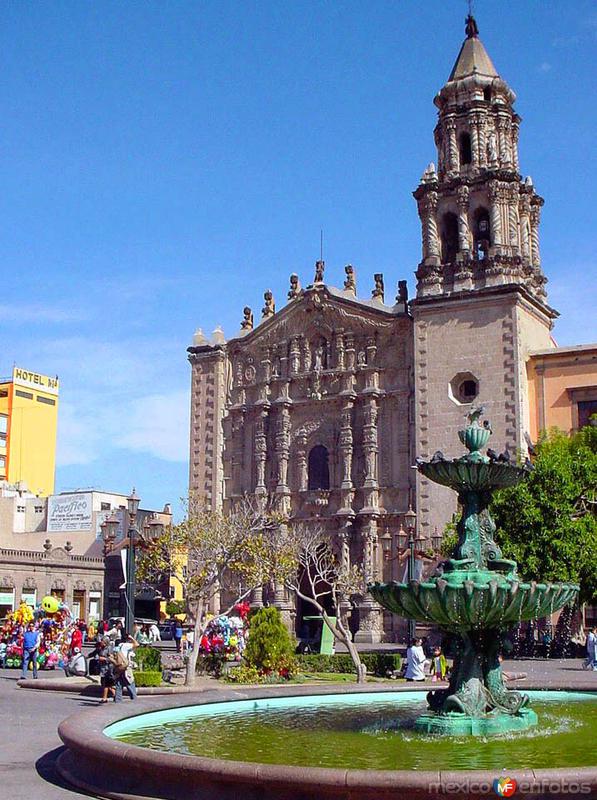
{"type": "Point", "coordinates": [528, 181]}
{"type": "Point", "coordinates": [402, 296]}
{"type": "Point", "coordinates": [350, 284]}
{"type": "Point", "coordinates": [217, 336]}
{"type": "Point", "coordinates": [295, 287]}
{"type": "Point", "coordinates": [47, 545]}
{"type": "Point", "coordinates": [430, 175]}
{"type": "Point", "coordinates": [68, 546]}
{"type": "Point", "coordinates": [378, 291]}
{"type": "Point", "coordinates": [198, 338]}
{"type": "Point", "coordinates": [269, 309]}
{"type": "Point", "coordinates": [319, 269]}
{"type": "Point", "coordinates": [247, 321]}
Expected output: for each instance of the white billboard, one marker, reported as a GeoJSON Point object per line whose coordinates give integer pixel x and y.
{"type": "Point", "coordinates": [70, 512]}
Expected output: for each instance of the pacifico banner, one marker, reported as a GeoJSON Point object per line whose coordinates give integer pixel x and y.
{"type": "Point", "coordinates": [33, 380]}
{"type": "Point", "coordinates": [69, 512]}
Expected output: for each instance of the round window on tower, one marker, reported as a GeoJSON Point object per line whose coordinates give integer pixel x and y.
{"type": "Point", "coordinates": [463, 388]}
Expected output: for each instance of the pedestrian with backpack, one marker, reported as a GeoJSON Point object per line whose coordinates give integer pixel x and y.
{"type": "Point", "coordinates": [122, 665]}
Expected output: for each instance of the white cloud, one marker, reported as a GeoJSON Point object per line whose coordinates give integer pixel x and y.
{"type": "Point", "coordinates": [159, 425]}
{"type": "Point", "coordinates": [545, 66]}
{"type": "Point", "coordinates": [130, 395]}
{"type": "Point", "coordinates": [38, 312]}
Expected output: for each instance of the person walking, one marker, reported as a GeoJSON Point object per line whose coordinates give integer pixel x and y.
{"type": "Point", "coordinates": [591, 661]}
{"type": "Point", "coordinates": [124, 654]}
{"type": "Point", "coordinates": [30, 648]}
{"type": "Point", "coordinates": [101, 654]}
{"type": "Point", "coordinates": [415, 661]}
{"type": "Point", "coordinates": [178, 635]}
{"type": "Point", "coordinates": [154, 634]}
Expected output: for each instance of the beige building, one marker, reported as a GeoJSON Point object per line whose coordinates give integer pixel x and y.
{"type": "Point", "coordinates": [53, 545]}
{"type": "Point", "coordinates": [324, 405]}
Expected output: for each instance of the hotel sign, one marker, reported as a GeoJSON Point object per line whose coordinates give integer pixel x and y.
{"type": "Point", "coordinates": [33, 380]}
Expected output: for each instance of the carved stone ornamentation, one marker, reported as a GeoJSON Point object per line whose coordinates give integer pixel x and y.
{"type": "Point", "coordinates": [350, 282]}
{"type": "Point", "coordinates": [295, 287]}
{"type": "Point", "coordinates": [247, 321]}
{"type": "Point", "coordinates": [378, 290]}
{"type": "Point", "coordinates": [319, 270]}
{"type": "Point", "coordinates": [269, 308]}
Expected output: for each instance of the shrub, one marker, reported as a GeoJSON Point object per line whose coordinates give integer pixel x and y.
{"type": "Point", "coordinates": [149, 659]}
{"type": "Point", "coordinates": [244, 674]}
{"type": "Point", "coordinates": [378, 664]}
{"type": "Point", "coordinates": [269, 647]}
{"type": "Point", "coordinates": [149, 678]}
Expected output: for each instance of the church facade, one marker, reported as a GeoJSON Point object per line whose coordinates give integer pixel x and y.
{"type": "Point", "coordinates": [325, 404]}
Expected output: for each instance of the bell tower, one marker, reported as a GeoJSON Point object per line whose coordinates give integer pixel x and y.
{"type": "Point", "coordinates": [480, 219]}
{"type": "Point", "coordinates": [481, 303]}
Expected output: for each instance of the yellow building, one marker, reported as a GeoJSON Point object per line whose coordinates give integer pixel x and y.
{"type": "Point", "coordinates": [28, 424]}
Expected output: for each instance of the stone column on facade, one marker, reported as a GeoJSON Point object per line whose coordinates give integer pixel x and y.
{"type": "Point", "coordinates": [535, 216]}
{"type": "Point", "coordinates": [347, 378]}
{"type": "Point", "coordinates": [370, 613]}
{"type": "Point", "coordinates": [301, 462]}
{"type": "Point", "coordinates": [295, 355]}
{"type": "Point", "coordinates": [464, 234]}
{"type": "Point", "coordinates": [370, 450]}
{"type": "Point", "coordinates": [525, 228]}
{"type": "Point", "coordinates": [306, 354]}
{"type": "Point", "coordinates": [513, 221]}
{"type": "Point", "coordinates": [281, 599]}
{"type": "Point", "coordinates": [339, 342]}
{"type": "Point", "coordinates": [256, 598]}
{"type": "Point", "coordinates": [344, 539]}
{"type": "Point", "coordinates": [431, 243]}
{"type": "Point", "coordinates": [453, 164]}
{"type": "Point", "coordinates": [463, 275]}
{"type": "Point", "coordinates": [474, 134]}
{"type": "Point", "coordinates": [503, 149]}
{"type": "Point", "coordinates": [261, 449]}
{"type": "Point", "coordinates": [515, 133]}
{"type": "Point", "coordinates": [346, 451]}
{"type": "Point", "coordinates": [481, 144]}
{"type": "Point", "coordinates": [282, 448]}
{"type": "Point", "coordinates": [495, 214]}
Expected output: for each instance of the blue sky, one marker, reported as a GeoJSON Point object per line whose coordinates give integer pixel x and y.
{"type": "Point", "coordinates": [163, 163]}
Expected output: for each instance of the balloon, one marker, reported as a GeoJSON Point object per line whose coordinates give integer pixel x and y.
{"type": "Point", "coordinates": [50, 604]}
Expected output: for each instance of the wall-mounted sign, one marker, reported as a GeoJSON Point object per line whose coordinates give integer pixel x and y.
{"type": "Point", "coordinates": [69, 512]}
{"type": "Point", "coordinates": [23, 377]}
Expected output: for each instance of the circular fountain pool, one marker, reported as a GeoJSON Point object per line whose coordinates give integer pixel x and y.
{"type": "Point", "coordinates": [343, 742]}
{"type": "Point", "coordinates": [371, 731]}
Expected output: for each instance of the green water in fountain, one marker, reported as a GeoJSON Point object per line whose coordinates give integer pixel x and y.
{"type": "Point", "coordinates": [364, 731]}
{"type": "Point", "coordinates": [476, 597]}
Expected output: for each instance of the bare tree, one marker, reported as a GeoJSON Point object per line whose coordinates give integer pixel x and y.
{"type": "Point", "coordinates": [212, 554]}
{"type": "Point", "coordinates": [320, 575]}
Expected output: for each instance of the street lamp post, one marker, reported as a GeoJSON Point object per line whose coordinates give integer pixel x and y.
{"type": "Point", "coordinates": [135, 539]}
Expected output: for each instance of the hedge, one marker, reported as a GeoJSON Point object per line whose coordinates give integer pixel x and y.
{"type": "Point", "coordinates": [376, 663]}
{"type": "Point", "coordinates": [149, 659]}
{"type": "Point", "coordinates": [149, 678]}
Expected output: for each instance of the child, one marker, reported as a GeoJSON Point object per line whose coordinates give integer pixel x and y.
{"type": "Point", "coordinates": [438, 665]}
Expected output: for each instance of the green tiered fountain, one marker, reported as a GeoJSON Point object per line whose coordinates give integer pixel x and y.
{"type": "Point", "coordinates": [475, 595]}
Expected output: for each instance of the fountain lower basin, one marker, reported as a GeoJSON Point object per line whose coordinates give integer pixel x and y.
{"type": "Point", "coordinates": [424, 767]}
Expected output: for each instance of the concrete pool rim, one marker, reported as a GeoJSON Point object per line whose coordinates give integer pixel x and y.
{"type": "Point", "coordinates": [109, 768]}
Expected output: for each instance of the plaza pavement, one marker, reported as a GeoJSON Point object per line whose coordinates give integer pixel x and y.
{"type": "Point", "coordinates": [30, 743]}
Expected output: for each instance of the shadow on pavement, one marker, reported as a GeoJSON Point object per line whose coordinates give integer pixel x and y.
{"type": "Point", "coordinates": [46, 769]}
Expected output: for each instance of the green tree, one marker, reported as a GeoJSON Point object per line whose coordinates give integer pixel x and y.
{"type": "Point", "coordinates": [212, 554]}
{"type": "Point", "coordinates": [549, 523]}
{"type": "Point", "coordinates": [269, 646]}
